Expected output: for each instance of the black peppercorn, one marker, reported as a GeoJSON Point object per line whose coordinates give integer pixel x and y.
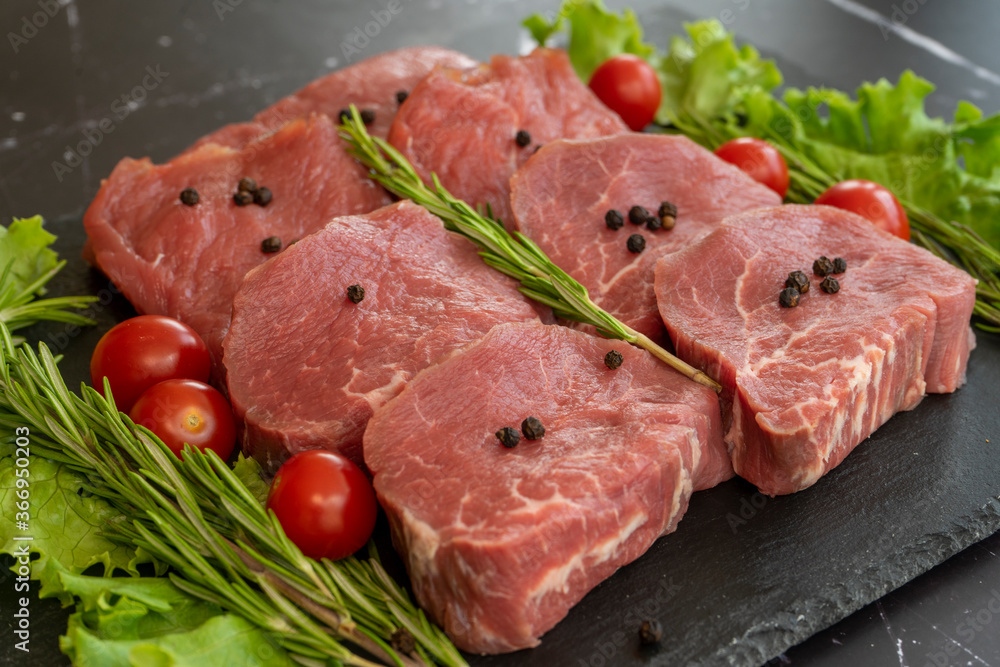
{"type": "Point", "coordinates": [668, 214]}
{"type": "Point", "coordinates": [614, 220]}
{"type": "Point", "coordinates": [638, 215]}
{"type": "Point", "coordinates": [402, 641]}
{"type": "Point", "coordinates": [344, 115]}
{"type": "Point", "coordinates": [355, 293]}
{"type": "Point", "coordinates": [367, 116]}
{"type": "Point", "coordinates": [522, 138]}
{"type": "Point", "coordinates": [653, 223]}
{"type": "Point", "coordinates": [613, 359]}
{"type": "Point", "coordinates": [650, 632]}
{"type": "Point", "coordinates": [799, 281]}
{"type": "Point", "coordinates": [247, 184]}
{"type": "Point", "coordinates": [401, 96]}
{"type": "Point", "coordinates": [830, 285]}
{"type": "Point", "coordinates": [508, 437]}
{"type": "Point", "coordinates": [270, 244]}
{"type": "Point", "coordinates": [839, 265]}
{"type": "Point", "coordinates": [532, 428]}
{"type": "Point", "coordinates": [636, 243]}
{"type": "Point", "coordinates": [262, 197]}
{"type": "Point", "coordinates": [789, 297]}
{"type": "Point", "coordinates": [822, 266]}
{"type": "Point", "coordinates": [189, 196]}
{"type": "Point", "coordinates": [242, 198]}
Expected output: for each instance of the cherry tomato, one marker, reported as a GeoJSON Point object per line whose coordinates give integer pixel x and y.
{"type": "Point", "coordinates": [628, 85]}
{"type": "Point", "coordinates": [872, 201]}
{"type": "Point", "coordinates": [760, 160]}
{"type": "Point", "coordinates": [143, 351]}
{"type": "Point", "coordinates": [180, 411]}
{"type": "Point", "coordinates": [325, 504]}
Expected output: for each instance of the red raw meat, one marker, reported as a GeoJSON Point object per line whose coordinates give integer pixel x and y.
{"type": "Point", "coordinates": [306, 367]}
{"type": "Point", "coordinates": [369, 84]}
{"type": "Point", "coordinates": [462, 124]}
{"type": "Point", "coordinates": [501, 543]}
{"type": "Point", "coordinates": [807, 384]}
{"type": "Point", "coordinates": [560, 197]}
{"type": "Point", "coordinates": [188, 261]}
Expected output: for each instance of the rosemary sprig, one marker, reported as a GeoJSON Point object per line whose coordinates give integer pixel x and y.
{"type": "Point", "coordinates": [19, 308]}
{"type": "Point", "coordinates": [196, 516]}
{"type": "Point", "coordinates": [514, 255]}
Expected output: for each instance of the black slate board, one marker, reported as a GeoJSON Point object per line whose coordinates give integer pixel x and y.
{"type": "Point", "coordinates": [744, 577]}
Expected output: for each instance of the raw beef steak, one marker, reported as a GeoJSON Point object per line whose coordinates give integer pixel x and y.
{"type": "Point", "coordinates": [463, 124]}
{"type": "Point", "coordinates": [306, 366]}
{"type": "Point", "coordinates": [369, 84]}
{"type": "Point", "coordinates": [187, 262]}
{"type": "Point", "coordinates": [500, 543]}
{"type": "Point", "coordinates": [561, 195]}
{"type": "Point", "coordinates": [807, 384]}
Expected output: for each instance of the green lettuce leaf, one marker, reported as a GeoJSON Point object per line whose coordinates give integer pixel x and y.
{"type": "Point", "coordinates": [64, 522]}
{"type": "Point", "coordinates": [25, 246]}
{"type": "Point", "coordinates": [249, 472]}
{"type": "Point", "coordinates": [149, 621]}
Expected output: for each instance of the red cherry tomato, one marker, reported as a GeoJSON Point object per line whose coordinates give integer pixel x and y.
{"type": "Point", "coordinates": [325, 504]}
{"type": "Point", "coordinates": [143, 351]}
{"type": "Point", "coordinates": [872, 201]}
{"type": "Point", "coordinates": [180, 411]}
{"type": "Point", "coordinates": [628, 85]}
{"type": "Point", "coordinates": [760, 160]}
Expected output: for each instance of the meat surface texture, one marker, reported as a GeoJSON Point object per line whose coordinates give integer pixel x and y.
{"type": "Point", "coordinates": [561, 195]}
{"type": "Point", "coordinates": [500, 543]}
{"type": "Point", "coordinates": [369, 84]}
{"type": "Point", "coordinates": [463, 124]}
{"type": "Point", "coordinates": [803, 386]}
{"type": "Point", "coordinates": [306, 366]}
{"type": "Point", "coordinates": [187, 262]}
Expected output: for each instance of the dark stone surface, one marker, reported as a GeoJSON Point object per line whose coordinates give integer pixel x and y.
{"type": "Point", "coordinates": [745, 577]}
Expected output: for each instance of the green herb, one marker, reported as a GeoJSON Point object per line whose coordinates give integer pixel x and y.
{"type": "Point", "coordinates": [514, 255]}
{"type": "Point", "coordinates": [26, 265]}
{"type": "Point", "coordinates": [943, 173]}
{"type": "Point", "coordinates": [198, 517]}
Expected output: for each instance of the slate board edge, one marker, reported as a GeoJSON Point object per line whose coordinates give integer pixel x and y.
{"type": "Point", "coordinates": [761, 643]}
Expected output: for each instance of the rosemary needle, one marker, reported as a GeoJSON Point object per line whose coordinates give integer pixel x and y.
{"type": "Point", "coordinates": [514, 255]}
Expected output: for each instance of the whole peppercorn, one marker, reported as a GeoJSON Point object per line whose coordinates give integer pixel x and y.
{"type": "Point", "coordinates": [613, 359]}
{"type": "Point", "coordinates": [830, 285]}
{"type": "Point", "coordinates": [247, 184]}
{"type": "Point", "coordinates": [789, 297]}
{"type": "Point", "coordinates": [614, 220]}
{"type": "Point", "coordinates": [402, 641]}
{"type": "Point", "coordinates": [823, 266]}
{"type": "Point", "coordinates": [653, 223]}
{"type": "Point", "coordinates": [367, 116]}
{"type": "Point", "coordinates": [344, 115]}
{"type": "Point", "coordinates": [638, 215]}
{"type": "Point", "coordinates": [522, 138]}
{"type": "Point", "coordinates": [189, 196]}
{"type": "Point", "coordinates": [401, 96]}
{"type": "Point", "coordinates": [508, 437]}
{"type": "Point", "coordinates": [668, 214]}
{"type": "Point", "coordinates": [355, 293]}
{"type": "Point", "coordinates": [839, 265]}
{"type": "Point", "coordinates": [270, 245]}
{"type": "Point", "coordinates": [242, 198]}
{"type": "Point", "coordinates": [636, 243]}
{"type": "Point", "coordinates": [532, 428]}
{"type": "Point", "coordinates": [799, 281]}
{"type": "Point", "coordinates": [650, 632]}
{"type": "Point", "coordinates": [262, 197]}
